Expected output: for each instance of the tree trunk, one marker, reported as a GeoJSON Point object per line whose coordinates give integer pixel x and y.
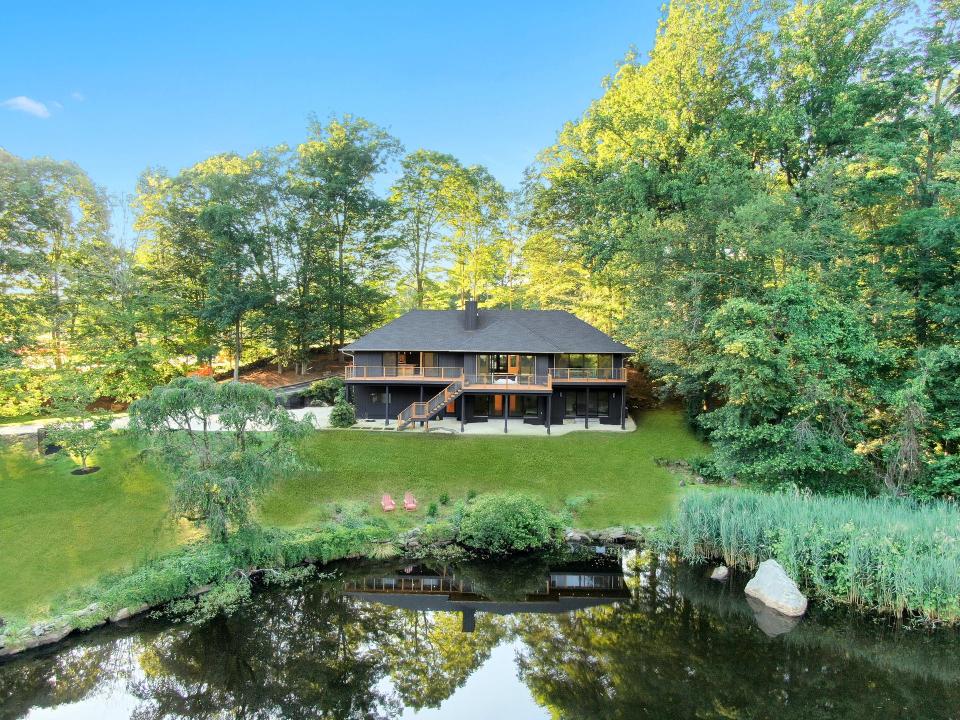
{"type": "Point", "coordinates": [340, 306]}
{"type": "Point", "coordinates": [236, 350]}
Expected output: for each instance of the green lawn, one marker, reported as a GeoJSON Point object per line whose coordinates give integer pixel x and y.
{"type": "Point", "coordinates": [616, 469]}
{"type": "Point", "coordinates": [58, 530]}
{"type": "Point", "coordinates": [39, 419]}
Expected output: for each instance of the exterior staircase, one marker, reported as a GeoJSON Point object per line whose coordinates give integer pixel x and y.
{"type": "Point", "coordinates": [425, 411]}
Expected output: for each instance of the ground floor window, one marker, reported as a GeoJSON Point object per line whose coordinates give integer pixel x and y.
{"type": "Point", "coordinates": [578, 404]}
{"type": "Point", "coordinates": [481, 405]}
{"type": "Point", "coordinates": [517, 406]}
{"type": "Point", "coordinates": [379, 397]}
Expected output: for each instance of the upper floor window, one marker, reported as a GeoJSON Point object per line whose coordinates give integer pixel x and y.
{"type": "Point", "coordinates": [584, 361]}
{"type": "Point", "coordinates": [393, 359]}
{"type": "Point", "coordinates": [492, 363]}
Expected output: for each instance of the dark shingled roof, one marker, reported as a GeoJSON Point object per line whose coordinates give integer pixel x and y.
{"type": "Point", "coordinates": [509, 331]}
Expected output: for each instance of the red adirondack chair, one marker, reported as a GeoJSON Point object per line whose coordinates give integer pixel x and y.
{"type": "Point", "coordinates": [387, 503]}
{"type": "Point", "coordinates": [409, 501]}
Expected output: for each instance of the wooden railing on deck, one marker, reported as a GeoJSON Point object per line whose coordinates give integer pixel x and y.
{"type": "Point", "coordinates": [574, 374]}
{"type": "Point", "coordinates": [508, 381]}
{"type": "Point", "coordinates": [402, 372]}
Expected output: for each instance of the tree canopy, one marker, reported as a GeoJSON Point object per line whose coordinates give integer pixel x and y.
{"type": "Point", "coordinates": [764, 205]}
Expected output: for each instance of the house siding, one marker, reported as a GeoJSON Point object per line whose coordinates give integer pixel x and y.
{"type": "Point", "coordinates": [402, 394]}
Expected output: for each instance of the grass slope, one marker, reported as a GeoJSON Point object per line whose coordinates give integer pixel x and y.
{"type": "Point", "coordinates": [59, 530]}
{"type": "Point", "coordinates": [617, 470]}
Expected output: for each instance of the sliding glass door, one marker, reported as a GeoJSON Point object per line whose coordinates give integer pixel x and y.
{"type": "Point", "coordinates": [577, 403]}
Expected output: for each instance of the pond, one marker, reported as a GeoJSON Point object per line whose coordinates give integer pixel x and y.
{"type": "Point", "coordinates": [566, 637]}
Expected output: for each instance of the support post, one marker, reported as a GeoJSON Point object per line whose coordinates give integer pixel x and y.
{"type": "Point", "coordinates": [421, 400]}
{"type": "Point", "coordinates": [623, 408]}
{"type": "Point", "coordinates": [586, 410]}
{"type": "Point", "coordinates": [506, 406]}
{"type": "Point", "coordinates": [463, 411]}
{"type": "Point", "coordinates": [386, 406]}
{"type": "Point", "coordinates": [549, 404]}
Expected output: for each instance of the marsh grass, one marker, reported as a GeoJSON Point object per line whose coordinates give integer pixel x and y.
{"type": "Point", "coordinates": [885, 554]}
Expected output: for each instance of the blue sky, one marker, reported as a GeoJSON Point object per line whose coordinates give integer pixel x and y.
{"type": "Point", "coordinates": [133, 85]}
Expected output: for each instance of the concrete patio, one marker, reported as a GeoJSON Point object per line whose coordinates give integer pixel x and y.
{"type": "Point", "coordinates": [515, 426]}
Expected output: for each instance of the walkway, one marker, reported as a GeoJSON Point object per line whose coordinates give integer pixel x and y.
{"type": "Point", "coordinates": [320, 415]}
{"type": "Point", "coordinates": [321, 419]}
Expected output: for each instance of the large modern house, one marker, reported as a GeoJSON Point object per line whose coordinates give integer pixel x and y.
{"type": "Point", "coordinates": [542, 366]}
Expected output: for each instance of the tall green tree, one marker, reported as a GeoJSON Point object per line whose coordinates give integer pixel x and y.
{"type": "Point", "coordinates": [53, 219]}
{"type": "Point", "coordinates": [422, 197]}
{"type": "Point", "coordinates": [794, 370]}
{"type": "Point", "coordinates": [477, 250]}
{"type": "Point", "coordinates": [337, 166]}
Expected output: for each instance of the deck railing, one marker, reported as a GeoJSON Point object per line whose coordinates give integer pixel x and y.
{"type": "Point", "coordinates": [403, 372]}
{"type": "Point", "coordinates": [414, 373]}
{"type": "Point", "coordinates": [413, 410]}
{"type": "Point", "coordinates": [507, 380]}
{"type": "Point", "coordinates": [573, 374]}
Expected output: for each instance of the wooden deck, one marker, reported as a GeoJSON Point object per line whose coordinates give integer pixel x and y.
{"type": "Point", "coordinates": [401, 374]}
{"type": "Point", "coordinates": [494, 383]}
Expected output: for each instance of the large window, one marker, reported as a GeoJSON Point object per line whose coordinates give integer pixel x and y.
{"type": "Point", "coordinates": [577, 405]}
{"type": "Point", "coordinates": [493, 363]}
{"type": "Point", "coordinates": [522, 406]}
{"type": "Point", "coordinates": [528, 365]}
{"type": "Point", "coordinates": [585, 361]}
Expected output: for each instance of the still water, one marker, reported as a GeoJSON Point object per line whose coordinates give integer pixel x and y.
{"type": "Point", "coordinates": [537, 638]}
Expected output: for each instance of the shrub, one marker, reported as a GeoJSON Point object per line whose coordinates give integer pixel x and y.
{"type": "Point", "coordinates": [706, 467]}
{"type": "Point", "coordinates": [444, 498]}
{"type": "Point", "coordinates": [327, 390]}
{"type": "Point", "coordinates": [505, 523]}
{"type": "Point", "coordinates": [343, 414]}
{"type": "Point", "coordinates": [884, 554]}
{"type": "Point", "coordinates": [23, 390]}
{"type": "Point", "coordinates": [438, 532]}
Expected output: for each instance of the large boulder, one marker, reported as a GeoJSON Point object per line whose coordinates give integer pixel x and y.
{"type": "Point", "coordinates": [774, 588]}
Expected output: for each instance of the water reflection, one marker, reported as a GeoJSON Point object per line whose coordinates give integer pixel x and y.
{"type": "Point", "coordinates": [585, 642]}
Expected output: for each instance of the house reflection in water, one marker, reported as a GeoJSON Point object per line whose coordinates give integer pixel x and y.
{"type": "Point", "coordinates": [565, 587]}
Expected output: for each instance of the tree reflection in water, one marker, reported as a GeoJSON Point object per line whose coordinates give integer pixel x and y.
{"type": "Point", "coordinates": [685, 648]}
{"type": "Point", "coordinates": [679, 647]}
